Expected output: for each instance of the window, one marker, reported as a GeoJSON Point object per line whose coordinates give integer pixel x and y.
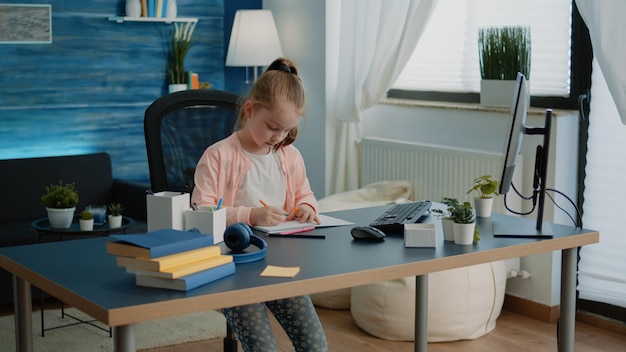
{"type": "Point", "coordinates": [445, 66]}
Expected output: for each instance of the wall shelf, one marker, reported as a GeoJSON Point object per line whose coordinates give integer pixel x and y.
{"type": "Point", "coordinates": [121, 19]}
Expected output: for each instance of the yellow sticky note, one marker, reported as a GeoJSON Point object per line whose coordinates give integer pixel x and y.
{"type": "Point", "coordinates": [280, 271]}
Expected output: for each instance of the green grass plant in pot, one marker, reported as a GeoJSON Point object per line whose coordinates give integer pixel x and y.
{"type": "Point", "coordinates": [487, 188]}
{"type": "Point", "coordinates": [502, 52]}
{"type": "Point", "coordinates": [179, 45]}
{"type": "Point", "coordinates": [60, 200]}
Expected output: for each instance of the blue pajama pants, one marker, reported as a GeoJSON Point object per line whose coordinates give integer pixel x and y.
{"type": "Point", "coordinates": [296, 315]}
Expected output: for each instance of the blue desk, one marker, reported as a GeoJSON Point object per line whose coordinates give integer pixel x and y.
{"type": "Point", "coordinates": [101, 289]}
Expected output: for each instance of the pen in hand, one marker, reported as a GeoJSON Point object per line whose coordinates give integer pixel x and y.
{"type": "Point", "coordinates": [265, 205]}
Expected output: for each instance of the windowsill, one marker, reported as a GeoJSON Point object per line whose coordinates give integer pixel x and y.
{"type": "Point", "coordinates": [533, 111]}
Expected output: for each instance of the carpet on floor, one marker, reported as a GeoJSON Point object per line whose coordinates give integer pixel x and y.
{"type": "Point", "coordinates": [83, 337]}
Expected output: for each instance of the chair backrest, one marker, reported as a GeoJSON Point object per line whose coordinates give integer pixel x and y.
{"type": "Point", "coordinates": [178, 127]}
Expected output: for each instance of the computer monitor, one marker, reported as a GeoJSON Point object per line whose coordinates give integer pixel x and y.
{"type": "Point", "coordinates": [515, 130]}
{"type": "Point", "coordinates": [512, 148]}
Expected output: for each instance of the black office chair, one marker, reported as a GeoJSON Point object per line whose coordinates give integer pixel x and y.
{"type": "Point", "coordinates": [178, 127]}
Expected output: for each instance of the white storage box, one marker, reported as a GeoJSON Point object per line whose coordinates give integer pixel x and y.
{"type": "Point", "coordinates": [420, 235]}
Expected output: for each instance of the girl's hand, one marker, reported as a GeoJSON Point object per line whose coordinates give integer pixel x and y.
{"type": "Point", "coordinates": [304, 213]}
{"type": "Point", "coordinates": [266, 216]}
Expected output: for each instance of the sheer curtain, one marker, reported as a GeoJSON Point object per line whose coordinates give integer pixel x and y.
{"type": "Point", "coordinates": [376, 39]}
{"type": "Point", "coordinates": [601, 275]}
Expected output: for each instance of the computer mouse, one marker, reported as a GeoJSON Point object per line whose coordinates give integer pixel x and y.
{"type": "Point", "coordinates": [367, 233]}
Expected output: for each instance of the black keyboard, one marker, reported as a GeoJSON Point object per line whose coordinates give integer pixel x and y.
{"type": "Point", "coordinates": [394, 218]}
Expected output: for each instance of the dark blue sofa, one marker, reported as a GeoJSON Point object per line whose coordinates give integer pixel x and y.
{"type": "Point", "coordinates": [24, 181]}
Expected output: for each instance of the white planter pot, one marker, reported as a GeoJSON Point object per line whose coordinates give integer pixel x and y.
{"type": "Point", "coordinates": [496, 93]}
{"type": "Point", "coordinates": [61, 218]}
{"type": "Point", "coordinates": [448, 229]}
{"type": "Point", "coordinates": [115, 221]}
{"type": "Point", "coordinates": [178, 87]}
{"type": "Point", "coordinates": [464, 233]}
{"type": "Point", "coordinates": [86, 225]}
{"type": "Point", "coordinates": [483, 207]}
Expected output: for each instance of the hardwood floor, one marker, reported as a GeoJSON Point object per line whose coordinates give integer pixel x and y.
{"type": "Point", "coordinates": [513, 332]}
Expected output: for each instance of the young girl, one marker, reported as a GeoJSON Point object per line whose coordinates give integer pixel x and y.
{"type": "Point", "coordinates": [260, 176]}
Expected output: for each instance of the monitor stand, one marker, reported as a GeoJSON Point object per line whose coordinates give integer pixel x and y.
{"type": "Point", "coordinates": [521, 229]}
{"type": "Point", "coordinates": [529, 229]}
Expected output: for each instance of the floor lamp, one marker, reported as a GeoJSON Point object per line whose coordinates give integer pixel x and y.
{"type": "Point", "coordinates": [253, 40]}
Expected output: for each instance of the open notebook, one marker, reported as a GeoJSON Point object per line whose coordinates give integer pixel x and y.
{"type": "Point", "coordinates": [325, 221]}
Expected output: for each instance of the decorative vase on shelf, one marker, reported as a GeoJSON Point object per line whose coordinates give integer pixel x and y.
{"type": "Point", "coordinates": [133, 8]}
{"type": "Point", "coordinates": [171, 10]}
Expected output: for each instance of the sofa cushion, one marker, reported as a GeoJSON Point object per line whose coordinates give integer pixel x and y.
{"type": "Point", "coordinates": [25, 181]}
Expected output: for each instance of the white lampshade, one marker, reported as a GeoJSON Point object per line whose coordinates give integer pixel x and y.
{"type": "Point", "coordinates": [253, 40]}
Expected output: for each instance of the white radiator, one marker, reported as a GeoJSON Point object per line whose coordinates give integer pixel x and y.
{"type": "Point", "coordinates": [435, 171]}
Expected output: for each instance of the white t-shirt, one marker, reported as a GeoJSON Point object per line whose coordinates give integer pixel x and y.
{"type": "Point", "coordinates": [263, 181]}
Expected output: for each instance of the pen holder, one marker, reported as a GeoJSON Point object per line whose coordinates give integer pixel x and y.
{"type": "Point", "coordinates": [207, 221]}
{"type": "Point", "coordinates": [166, 210]}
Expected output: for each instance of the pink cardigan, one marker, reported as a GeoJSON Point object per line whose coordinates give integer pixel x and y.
{"type": "Point", "coordinates": [222, 167]}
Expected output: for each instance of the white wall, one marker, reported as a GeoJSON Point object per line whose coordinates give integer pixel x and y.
{"type": "Point", "coordinates": [300, 26]}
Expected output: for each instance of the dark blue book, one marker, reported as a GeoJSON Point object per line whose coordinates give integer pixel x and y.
{"type": "Point", "coordinates": [189, 282]}
{"type": "Point", "coordinates": [157, 243]}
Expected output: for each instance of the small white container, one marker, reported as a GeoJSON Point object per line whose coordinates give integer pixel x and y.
{"type": "Point", "coordinates": [420, 235]}
{"type": "Point", "coordinates": [211, 222]}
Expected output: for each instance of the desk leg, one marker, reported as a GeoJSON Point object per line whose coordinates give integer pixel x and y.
{"type": "Point", "coordinates": [124, 338]}
{"type": "Point", "coordinates": [421, 313]}
{"type": "Point", "coordinates": [22, 306]}
{"type": "Point", "coordinates": [567, 316]}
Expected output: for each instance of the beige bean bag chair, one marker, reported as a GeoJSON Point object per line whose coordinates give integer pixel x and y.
{"type": "Point", "coordinates": [463, 303]}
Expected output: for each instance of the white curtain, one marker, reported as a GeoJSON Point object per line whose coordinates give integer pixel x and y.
{"type": "Point", "coordinates": [376, 40]}
{"type": "Point", "coordinates": [601, 275]}
{"type": "Point", "coordinates": [607, 27]}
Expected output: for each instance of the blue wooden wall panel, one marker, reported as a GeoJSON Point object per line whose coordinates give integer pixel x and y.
{"type": "Point", "coordinates": [88, 90]}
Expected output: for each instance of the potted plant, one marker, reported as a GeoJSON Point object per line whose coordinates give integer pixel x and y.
{"type": "Point", "coordinates": [446, 217]}
{"type": "Point", "coordinates": [60, 201]}
{"type": "Point", "coordinates": [502, 52]}
{"type": "Point", "coordinates": [115, 214]}
{"type": "Point", "coordinates": [179, 45]}
{"type": "Point", "coordinates": [486, 188]}
{"type": "Point", "coordinates": [465, 230]}
{"type": "Point", "coordinates": [86, 221]}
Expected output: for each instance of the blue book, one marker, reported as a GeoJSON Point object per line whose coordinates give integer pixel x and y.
{"type": "Point", "coordinates": [151, 5]}
{"type": "Point", "coordinates": [164, 9]}
{"type": "Point", "coordinates": [157, 243]}
{"type": "Point", "coordinates": [189, 282]}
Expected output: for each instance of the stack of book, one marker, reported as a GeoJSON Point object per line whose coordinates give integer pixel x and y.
{"type": "Point", "coordinates": [171, 259]}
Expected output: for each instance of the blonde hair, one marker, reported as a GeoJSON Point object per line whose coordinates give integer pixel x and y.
{"type": "Point", "coordinates": [279, 81]}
